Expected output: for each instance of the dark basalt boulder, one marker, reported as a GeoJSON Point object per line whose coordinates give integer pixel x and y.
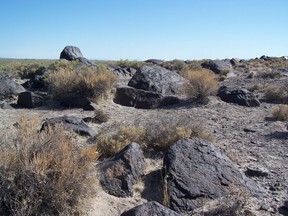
{"type": "Point", "coordinates": [218, 66]}
{"type": "Point", "coordinates": [141, 99]}
{"type": "Point", "coordinates": [31, 99]}
{"type": "Point", "coordinates": [71, 53]}
{"type": "Point", "coordinates": [9, 88]}
{"type": "Point", "coordinates": [122, 72]}
{"type": "Point", "coordinates": [119, 173]}
{"type": "Point", "coordinates": [196, 171]}
{"type": "Point", "coordinates": [151, 208]}
{"type": "Point", "coordinates": [237, 95]}
{"type": "Point", "coordinates": [158, 80]}
{"type": "Point", "coordinates": [72, 123]}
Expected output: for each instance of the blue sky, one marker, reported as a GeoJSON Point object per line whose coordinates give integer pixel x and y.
{"type": "Point", "coordinates": [142, 29]}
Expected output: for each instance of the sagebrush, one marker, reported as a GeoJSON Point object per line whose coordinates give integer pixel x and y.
{"type": "Point", "coordinates": [94, 84]}
{"type": "Point", "coordinates": [43, 173]}
{"type": "Point", "coordinates": [201, 84]}
{"type": "Point", "coordinates": [277, 93]}
{"type": "Point", "coordinates": [281, 112]}
{"type": "Point", "coordinates": [156, 136]}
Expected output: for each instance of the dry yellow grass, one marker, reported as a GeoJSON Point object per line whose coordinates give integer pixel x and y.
{"type": "Point", "coordinates": [202, 83]}
{"type": "Point", "coordinates": [88, 82]}
{"type": "Point", "coordinates": [148, 138]}
{"type": "Point", "coordinates": [281, 112]}
{"type": "Point", "coordinates": [43, 173]}
{"type": "Point", "coordinates": [277, 93]}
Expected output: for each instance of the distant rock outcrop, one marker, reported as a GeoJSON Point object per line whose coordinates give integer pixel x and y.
{"type": "Point", "coordinates": [151, 208]}
{"type": "Point", "coordinates": [218, 66]}
{"type": "Point", "coordinates": [238, 95]}
{"type": "Point", "coordinates": [119, 173]}
{"type": "Point", "coordinates": [72, 53]}
{"type": "Point", "coordinates": [196, 170]}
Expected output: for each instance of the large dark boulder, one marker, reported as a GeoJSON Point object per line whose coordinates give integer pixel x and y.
{"type": "Point", "coordinates": [151, 208]}
{"type": "Point", "coordinates": [31, 99]}
{"type": "Point", "coordinates": [238, 95]}
{"type": "Point", "coordinates": [158, 80]}
{"type": "Point", "coordinates": [119, 173]}
{"type": "Point", "coordinates": [71, 53]}
{"type": "Point", "coordinates": [218, 66]}
{"type": "Point", "coordinates": [9, 88]}
{"type": "Point", "coordinates": [72, 123]}
{"type": "Point", "coordinates": [197, 171]}
{"type": "Point", "coordinates": [128, 96]}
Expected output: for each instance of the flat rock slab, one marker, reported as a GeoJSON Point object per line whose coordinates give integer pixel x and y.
{"type": "Point", "coordinates": [119, 173]}
{"type": "Point", "coordinates": [196, 171]}
{"type": "Point", "coordinates": [150, 209]}
{"type": "Point", "coordinates": [75, 124]}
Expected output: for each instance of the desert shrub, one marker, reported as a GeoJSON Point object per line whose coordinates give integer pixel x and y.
{"type": "Point", "coordinates": [202, 83]}
{"type": "Point", "coordinates": [23, 68]}
{"type": "Point", "coordinates": [101, 115]}
{"type": "Point", "coordinates": [178, 65]}
{"type": "Point", "coordinates": [125, 63]}
{"type": "Point", "coordinates": [281, 112]}
{"type": "Point", "coordinates": [276, 93]}
{"type": "Point", "coordinates": [43, 173]}
{"type": "Point", "coordinates": [155, 136]}
{"type": "Point", "coordinates": [108, 144]}
{"type": "Point", "coordinates": [92, 83]}
{"type": "Point", "coordinates": [195, 65]}
{"type": "Point", "coordinates": [269, 74]}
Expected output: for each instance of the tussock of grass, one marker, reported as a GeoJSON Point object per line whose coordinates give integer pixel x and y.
{"type": "Point", "coordinates": [156, 136]}
{"type": "Point", "coordinates": [281, 112]}
{"type": "Point", "coordinates": [88, 82]}
{"type": "Point", "coordinates": [43, 173]}
{"type": "Point", "coordinates": [202, 83]}
{"type": "Point", "coordinates": [277, 93]}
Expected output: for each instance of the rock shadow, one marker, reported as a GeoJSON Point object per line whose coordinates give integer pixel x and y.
{"type": "Point", "coordinates": [281, 135]}
{"type": "Point", "coordinates": [153, 186]}
{"type": "Point", "coordinates": [283, 211]}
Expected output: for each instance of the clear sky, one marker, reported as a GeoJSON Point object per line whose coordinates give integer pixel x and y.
{"type": "Point", "coordinates": [142, 29]}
